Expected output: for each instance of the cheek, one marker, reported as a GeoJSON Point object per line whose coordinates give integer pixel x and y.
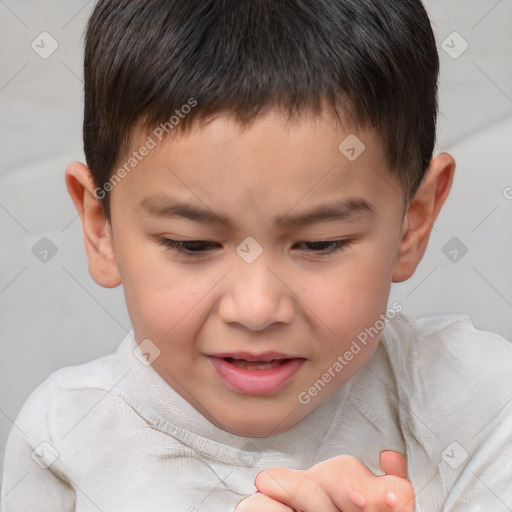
{"type": "Point", "coordinates": [160, 294]}
{"type": "Point", "coordinates": [351, 297]}
{"type": "Point", "coordinates": [165, 310]}
{"type": "Point", "coordinates": [168, 312]}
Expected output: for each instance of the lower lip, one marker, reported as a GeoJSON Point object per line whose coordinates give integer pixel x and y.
{"type": "Point", "coordinates": [256, 382]}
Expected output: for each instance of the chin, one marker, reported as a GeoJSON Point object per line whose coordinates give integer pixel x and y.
{"type": "Point", "coordinates": [253, 429]}
{"type": "Point", "coordinates": [255, 422]}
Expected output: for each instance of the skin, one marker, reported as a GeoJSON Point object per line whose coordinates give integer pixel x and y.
{"type": "Point", "coordinates": [290, 299]}
{"type": "Point", "coordinates": [339, 483]}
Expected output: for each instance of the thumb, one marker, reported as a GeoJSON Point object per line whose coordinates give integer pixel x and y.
{"type": "Point", "coordinates": [392, 463]}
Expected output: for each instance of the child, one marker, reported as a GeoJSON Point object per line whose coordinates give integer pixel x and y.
{"type": "Point", "coordinates": [258, 173]}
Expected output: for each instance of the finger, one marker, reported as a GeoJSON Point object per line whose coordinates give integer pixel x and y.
{"type": "Point", "coordinates": [396, 492]}
{"type": "Point", "coordinates": [356, 498]}
{"type": "Point", "coordinates": [349, 483]}
{"type": "Point", "coordinates": [363, 489]}
{"type": "Point", "coordinates": [259, 502]}
{"type": "Point", "coordinates": [295, 489]}
{"type": "Point", "coordinates": [392, 463]}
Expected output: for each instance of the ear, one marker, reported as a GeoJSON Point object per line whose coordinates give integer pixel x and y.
{"type": "Point", "coordinates": [421, 215]}
{"type": "Point", "coordinates": [97, 230]}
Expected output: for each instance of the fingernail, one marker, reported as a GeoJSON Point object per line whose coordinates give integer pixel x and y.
{"type": "Point", "coordinates": [356, 498]}
{"type": "Point", "coordinates": [391, 499]}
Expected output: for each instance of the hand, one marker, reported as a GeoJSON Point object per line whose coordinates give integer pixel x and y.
{"type": "Point", "coordinates": [259, 502]}
{"type": "Point", "coordinates": [338, 484]}
{"type": "Point", "coordinates": [352, 487]}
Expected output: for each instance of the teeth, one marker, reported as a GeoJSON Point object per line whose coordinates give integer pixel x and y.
{"type": "Point", "coordinates": [256, 365]}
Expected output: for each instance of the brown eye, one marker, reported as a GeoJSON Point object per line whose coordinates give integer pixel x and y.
{"type": "Point", "coordinates": [187, 247]}
{"type": "Point", "coordinates": [327, 246]}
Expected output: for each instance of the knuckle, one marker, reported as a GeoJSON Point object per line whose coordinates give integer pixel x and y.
{"type": "Point", "coordinates": [309, 487]}
{"type": "Point", "coordinates": [402, 487]}
{"type": "Point", "coordinates": [351, 463]}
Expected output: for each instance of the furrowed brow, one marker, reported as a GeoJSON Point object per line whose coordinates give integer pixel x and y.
{"type": "Point", "coordinates": [347, 210]}
{"type": "Point", "coordinates": [163, 206]}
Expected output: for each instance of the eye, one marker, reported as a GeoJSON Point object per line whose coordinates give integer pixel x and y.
{"type": "Point", "coordinates": [192, 248]}
{"type": "Point", "coordinates": [196, 248]}
{"type": "Point", "coordinates": [332, 246]}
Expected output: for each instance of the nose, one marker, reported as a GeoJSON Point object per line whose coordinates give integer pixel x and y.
{"type": "Point", "coordinates": [256, 297]}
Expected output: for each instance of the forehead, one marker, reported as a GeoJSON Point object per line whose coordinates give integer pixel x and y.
{"type": "Point", "coordinates": [267, 166]}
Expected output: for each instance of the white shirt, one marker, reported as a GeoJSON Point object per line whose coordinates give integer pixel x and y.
{"type": "Point", "coordinates": [110, 435]}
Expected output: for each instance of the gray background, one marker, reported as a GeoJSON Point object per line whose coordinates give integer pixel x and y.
{"type": "Point", "coordinates": [53, 314]}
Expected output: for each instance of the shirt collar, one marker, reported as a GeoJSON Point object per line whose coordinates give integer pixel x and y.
{"type": "Point", "coordinates": [165, 409]}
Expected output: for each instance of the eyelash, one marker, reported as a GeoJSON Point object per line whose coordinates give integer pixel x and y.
{"type": "Point", "coordinates": [180, 246]}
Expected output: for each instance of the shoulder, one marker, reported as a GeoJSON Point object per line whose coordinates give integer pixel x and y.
{"type": "Point", "coordinates": [449, 374]}
{"type": "Point", "coordinates": [95, 374]}
{"type": "Point", "coordinates": [50, 411]}
{"type": "Point", "coordinates": [64, 394]}
{"type": "Point", "coordinates": [454, 401]}
{"type": "Point", "coordinates": [444, 341]}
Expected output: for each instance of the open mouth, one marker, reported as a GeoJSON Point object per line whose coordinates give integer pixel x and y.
{"type": "Point", "coordinates": [255, 365]}
{"type": "Point", "coordinates": [256, 377]}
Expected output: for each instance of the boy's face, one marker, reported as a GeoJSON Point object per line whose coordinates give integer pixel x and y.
{"type": "Point", "coordinates": [308, 302]}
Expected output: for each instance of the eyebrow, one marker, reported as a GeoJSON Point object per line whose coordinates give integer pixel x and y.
{"type": "Point", "coordinates": [349, 209]}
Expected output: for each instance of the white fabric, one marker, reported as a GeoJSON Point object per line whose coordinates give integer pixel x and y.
{"type": "Point", "coordinates": [53, 314]}
{"type": "Point", "coordinates": [434, 389]}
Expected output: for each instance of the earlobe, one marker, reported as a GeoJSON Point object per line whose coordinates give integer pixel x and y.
{"type": "Point", "coordinates": [96, 229]}
{"type": "Point", "coordinates": [421, 215]}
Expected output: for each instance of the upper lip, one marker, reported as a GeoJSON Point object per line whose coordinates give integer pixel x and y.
{"type": "Point", "coordinates": [248, 356]}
